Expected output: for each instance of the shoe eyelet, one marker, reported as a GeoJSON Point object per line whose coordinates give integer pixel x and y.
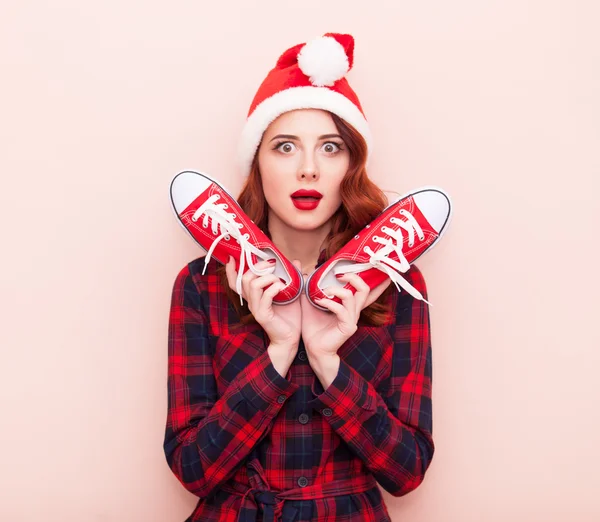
{"type": "Point", "coordinates": [232, 215]}
{"type": "Point", "coordinates": [356, 236]}
{"type": "Point", "coordinates": [375, 238]}
{"type": "Point", "coordinates": [225, 205]}
{"type": "Point", "coordinates": [411, 244]}
{"type": "Point", "coordinates": [227, 238]}
{"type": "Point", "coordinates": [246, 236]}
{"type": "Point", "coordinates": [194, 219]}
{"type": "Point", "coordinates": [204, 226]}
{"type": "Point", "coordinates": [368, 226]}
{"type": "Point", "coordinates": [365, 249]}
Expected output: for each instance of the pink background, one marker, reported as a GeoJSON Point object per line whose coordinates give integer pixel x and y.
{"type": "Point", "coordinates": [102, 103]}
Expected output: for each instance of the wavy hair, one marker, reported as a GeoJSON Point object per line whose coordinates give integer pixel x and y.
{"type": "Point", "coordinates": [362, 201]}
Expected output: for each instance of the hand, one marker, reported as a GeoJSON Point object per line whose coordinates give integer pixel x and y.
{"type": "Point", "coordinates": [325, 332]}
{"type": "Point", "coordinates": [280, 322]}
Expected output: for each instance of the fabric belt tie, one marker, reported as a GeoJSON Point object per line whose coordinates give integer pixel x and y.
{"type": "Point", "coordinates": [273, 503]}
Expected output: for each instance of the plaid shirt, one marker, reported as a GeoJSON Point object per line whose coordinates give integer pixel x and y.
{"type": "Point", "coordinates": [257, 446]}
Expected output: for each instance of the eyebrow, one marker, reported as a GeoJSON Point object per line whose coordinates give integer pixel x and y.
{"type": "Point", "coordinates": [292, 137]}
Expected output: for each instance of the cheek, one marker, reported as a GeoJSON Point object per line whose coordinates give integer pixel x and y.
{"type": "Point", "coordinates": [334, 188]}
{"type": "Point", "coordinates": [274, 169]}
{"type": "Point", "coordinates": [335, 171]}
{"type": "Point", "coordinates": [274, 189]}
{"type": "Point", "coordinates": [335, 200]}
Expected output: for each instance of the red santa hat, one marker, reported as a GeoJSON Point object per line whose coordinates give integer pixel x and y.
{"type": "Point", "coordinates": [307, 76]}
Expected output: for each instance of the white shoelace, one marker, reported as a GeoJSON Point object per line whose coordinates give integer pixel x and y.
{"type": "Point", "coordinates": [380, 259]}
{"type": "Point", "coordinates": [225, 221]}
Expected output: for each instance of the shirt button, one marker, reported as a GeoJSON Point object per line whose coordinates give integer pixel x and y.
{"type": "Point", "coordinates": [281, 398]}
{"type": "Point", "coordinates": [302, 356]}
{"type": "Point", "coordinates": [303, 419]}
{"type": "Point", "coordinates": [303, 482]}
{"type": "Point", "coordinates": [327, 412]}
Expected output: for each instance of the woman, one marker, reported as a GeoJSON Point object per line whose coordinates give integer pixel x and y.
{"type": "Point", "coordinates": [290, 412]}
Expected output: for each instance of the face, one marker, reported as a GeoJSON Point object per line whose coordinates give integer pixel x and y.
{"type": "Point", "coordinates": [302, 149]}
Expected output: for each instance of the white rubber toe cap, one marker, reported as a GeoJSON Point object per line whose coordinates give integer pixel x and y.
{"type": "Point", "coordinates": [186, 187]}
{"type": "Point", "coordinates": [435, 206]}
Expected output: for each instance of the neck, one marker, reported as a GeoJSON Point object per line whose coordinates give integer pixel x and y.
{"type": "Point", "coordinates": [295, 243]}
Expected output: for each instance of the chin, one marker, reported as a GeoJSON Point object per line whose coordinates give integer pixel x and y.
{"type": "Point", "coordinates": [309, 223]}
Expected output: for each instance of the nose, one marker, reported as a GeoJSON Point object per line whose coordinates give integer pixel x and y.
{"type": "Point", "coordinates": [308, 167]}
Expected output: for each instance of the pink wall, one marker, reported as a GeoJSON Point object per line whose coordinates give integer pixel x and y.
{"type": "Point", "coordinates": [495, 101]}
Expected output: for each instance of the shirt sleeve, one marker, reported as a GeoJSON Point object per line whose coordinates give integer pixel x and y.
{"type": "Point", "coordinates": [390, 427]}
{"type": "Point", "coordinates": [206, 436]}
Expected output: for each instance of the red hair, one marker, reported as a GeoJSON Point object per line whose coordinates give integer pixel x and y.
{"type": "Point", "coordinates": [362, 201]}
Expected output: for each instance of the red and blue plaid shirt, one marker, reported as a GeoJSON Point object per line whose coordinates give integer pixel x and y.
{"type": "Point", "coordinates": [257, 446]}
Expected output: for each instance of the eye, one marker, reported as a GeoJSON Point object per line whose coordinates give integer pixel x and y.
{"type": "Point", "coordinates": [286, 149]}
{"type": "Point", "coordinates": [330, 147]}
{"type": "Point", "coordinates": [336, 147]}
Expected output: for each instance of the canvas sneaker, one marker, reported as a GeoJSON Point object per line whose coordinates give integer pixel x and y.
{"type": "Point", "coordinates": [400, 234]}
{"type": "Point", "coordinates": [214, 219]}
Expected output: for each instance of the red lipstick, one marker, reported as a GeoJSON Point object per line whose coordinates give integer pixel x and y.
{"type": "Point", "coordinates": [305, 203]}
{"type": "Point", "coordinates": [304, 199]}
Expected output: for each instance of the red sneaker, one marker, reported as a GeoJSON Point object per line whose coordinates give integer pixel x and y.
{"type": "Point", "coordinates": [403, 232]}
{"type": "Point", "coordinates": [198, 201]}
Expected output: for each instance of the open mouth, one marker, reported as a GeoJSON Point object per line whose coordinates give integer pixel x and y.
{"type": "Point", "coordinates": [305, 202]}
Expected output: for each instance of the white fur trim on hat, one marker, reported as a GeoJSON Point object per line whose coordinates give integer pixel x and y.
{"type": "Point", "coordinates": [324, 61]}
{"type": "Point", "coordinates": [308, 97]}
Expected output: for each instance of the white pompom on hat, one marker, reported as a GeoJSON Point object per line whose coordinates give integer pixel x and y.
{"type": "Point", "coordinates": [307, 76]}
{"type": "Point", "coordinates": [324, 61]}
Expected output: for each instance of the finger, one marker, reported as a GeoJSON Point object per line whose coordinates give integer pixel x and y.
{"type": "Point", "coordinates": [342, 313]}
{"type": "Point", "coordinates": [355, 280]}
{"type": "Point", "coordinates": [345, 294]}
{"type": "Point", "coordinates": [362, 289]}
{"type": "Point", "coordinates": [231, 273]}
{"type": "Point", "coordinates": [266, 300]}
{"type": "Point", "coordinates": [261, 265]}
{"type": "Point", "coordinates": [249, 275]}
{"type": "Point", "coordinates": [258, 284]}
{"type": "Point", "coordinates": [347, 298]}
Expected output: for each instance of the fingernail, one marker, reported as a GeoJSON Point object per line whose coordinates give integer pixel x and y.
{"type": "Point", "coordinates": [272, 261]}
{"type": "Point", "coordinates": [339, 275]}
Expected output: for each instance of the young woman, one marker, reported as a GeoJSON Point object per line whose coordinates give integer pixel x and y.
{"type": "Point", "coordinates": [290, 412]}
